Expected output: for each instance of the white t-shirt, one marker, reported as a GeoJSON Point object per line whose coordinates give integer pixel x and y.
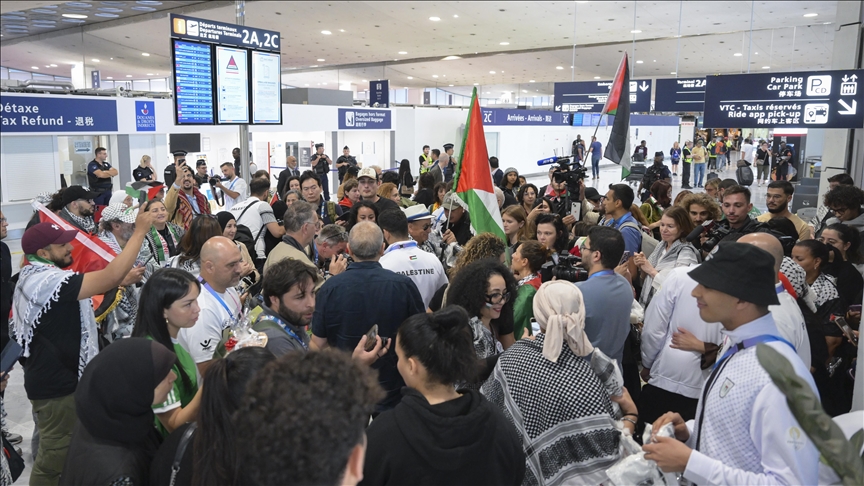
{"type": "Point", "coordinates": [747, 152]}
{"type": "Point", "coordinates": [790, 323]}
{"type": "Point", "coordinates": [201, 339]}
{"type": "Point", "coordinates": [255, 218]}
{"type": "Point", "coordinates": [236, 185]}
{"type": "Point", "coordinates": [422, 267]}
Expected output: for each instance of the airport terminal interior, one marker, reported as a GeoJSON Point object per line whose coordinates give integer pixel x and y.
{"type": "Point", "coordinates": [554, 242]}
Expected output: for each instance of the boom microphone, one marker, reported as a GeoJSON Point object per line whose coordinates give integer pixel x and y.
{"type": "Point", "coordinates": [553, 160]}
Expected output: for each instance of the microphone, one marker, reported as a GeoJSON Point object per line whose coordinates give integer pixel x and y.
{"type": "Point", "coordinates": [553, 160]}
{"type": "Point", "coordinates": [696, 233]}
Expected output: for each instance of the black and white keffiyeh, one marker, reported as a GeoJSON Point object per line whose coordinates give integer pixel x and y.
{"type": "Point", "coordinates": [485, 344]}
{"type": "Point", "coordinates": [87, 224]}
{"type": "Point", "coordinates": [561, 411]}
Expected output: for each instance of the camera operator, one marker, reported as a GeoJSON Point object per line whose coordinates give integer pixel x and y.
{"type": "Point", "coordinates": [736, 207]}
{"type": "Point", "coordinates": [565, 188]}
{"type": "Point", "coordinates": [321, 167]}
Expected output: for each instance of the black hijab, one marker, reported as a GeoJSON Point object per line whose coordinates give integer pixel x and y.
{"type": "Point", "coordinates": [224, 217]}
{"type": "Point", "coordinates": [114, 397]}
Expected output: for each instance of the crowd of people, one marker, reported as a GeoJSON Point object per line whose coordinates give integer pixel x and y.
{"type": "Point", "coordinates": [168, 343]}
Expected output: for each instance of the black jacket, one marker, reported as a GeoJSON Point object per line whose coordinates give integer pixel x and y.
{"type": "Point", "coordinates": [91, 460]}
{"type": "Point", "coordinates": [463, 441]}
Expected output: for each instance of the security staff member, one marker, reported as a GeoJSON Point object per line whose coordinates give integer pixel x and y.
{"type": "Point", "coordinates": [451, 166]}
{"type": "Point", "coordinates": [425, 160]}
{"type": "Point", "coordinates": [170, 173]}
{"type": "Point", "coordinates": [99, 174]}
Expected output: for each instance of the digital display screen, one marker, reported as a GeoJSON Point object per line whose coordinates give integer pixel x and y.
{"type": "Point", "coordinates": [266, 88]}
{"type": "Point", "coordinates": [193, 83]}
{"type": "Point", "coordinates": [232, 85]}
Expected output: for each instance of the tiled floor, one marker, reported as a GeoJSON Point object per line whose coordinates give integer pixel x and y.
{"type": "Point", "coordinates": [20, 419]}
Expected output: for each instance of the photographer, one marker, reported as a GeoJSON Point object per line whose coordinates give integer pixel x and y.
{"type": "Point", "coordinates": [321, 167]}
{"type": "Point", "coordinates": [736, 207]}
{"type": "Point", "coordinates": [236, 191]}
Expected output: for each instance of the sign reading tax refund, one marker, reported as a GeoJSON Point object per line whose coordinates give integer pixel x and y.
{"type": "Point", "coordinates": [353, 119]}
{"type": "Point", "coordinates": [57, 114]}
{"type": "Point", "coordinates": [822, 99]}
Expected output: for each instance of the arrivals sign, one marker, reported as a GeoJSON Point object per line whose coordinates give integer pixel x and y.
{"type": "Point", "coordinates": [590, 96]}
{"type": "Point", "coordinates": [355, 119]}
{"type": "Point", "coordinates": [680, 95]}
{"type": "Point", "coordinates": [505, 117]}
{"type": "Point", "coordinates": [823, 99]}
{"type": "Point", "coordinates": [61, 114]}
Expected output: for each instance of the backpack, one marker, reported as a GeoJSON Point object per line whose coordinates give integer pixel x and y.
{"type": "Point", "coordinates": [652, 175]}
{"type": "Point", "coordinates": [648, 242]}
{"type": "Point", "coordinates": [244, 234]}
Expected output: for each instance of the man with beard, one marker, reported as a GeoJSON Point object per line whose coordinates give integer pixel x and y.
{"type": "Point", "coordinates": [53, 321]}
{"type": "Point", "coordinates": [184, 201]}
{"type": "Point", "coordinates": [289, 302]}
{"type": "Point", "coordinates": [777, 199]}
{"type": "Point", "coordinates": [78, 208]}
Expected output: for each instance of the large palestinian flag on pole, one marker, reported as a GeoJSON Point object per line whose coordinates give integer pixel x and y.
{"type": "Point", "coordinates": [473, 180]}
{"type": "Point", "coordinates": [618, 104]}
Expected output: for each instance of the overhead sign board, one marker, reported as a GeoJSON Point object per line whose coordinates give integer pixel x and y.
{"type": "Point", "coordinates": [823, 99]}
{"type": "Point", "coordinates": [57, 114]}
{"type": "Point", "coordinates": [680, 95]}
{"type": "Point", "coordinates": [193, 83]}
{"type": "Point", "coordinates": [266, 88]}
{"type": "Point", "coordinates": [213, 32]}
{"type": "Point", "coordinates": [379, 93]}
{"type": "Point", "coordinates": [355, 119]}
{"type": "Point", "coordinates": [232, 85]}
{"type": "Point", "coordinates": [508, 117]}
{"type": "Point", "coordinates": [590, 96]}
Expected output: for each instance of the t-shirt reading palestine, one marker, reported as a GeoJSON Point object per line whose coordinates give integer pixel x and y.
{"type": "Point", "coordinates": [423, 268]}
{"type": "Point", "coordinates": [51, 370]}
{"type": "Point", "coordinates": [201, 339]}
{"type": "Point", "coordinates": [237, 185]}
{"type": "Point", "coordinates": [180, 394]}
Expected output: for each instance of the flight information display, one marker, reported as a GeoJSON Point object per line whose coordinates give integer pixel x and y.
{"type": "Point", "coordinates": [266, 88]}
{"type": "Point", "coordinates": [193, 83]}
{"type": "Point", "coordinates": [232, 85]}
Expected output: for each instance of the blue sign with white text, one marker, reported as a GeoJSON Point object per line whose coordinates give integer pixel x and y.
{"type": "Point", "coordinates": [504, 116]}
{"type": "Point", "coordinates": [145, 116]}
{"type": "Point", "coordinates": [354, 119]}
{"type": "Point", "coordinates": [590, 96]}
{"type": "Point", "coordinates": [57, 114]}
{"type": "Point", "coordinates": [680, 95]}
{"type": "Point", "coordinates": [379, 93]}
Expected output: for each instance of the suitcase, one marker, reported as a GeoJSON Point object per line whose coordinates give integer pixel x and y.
{"type": "Point", "coordinates": [744, 175]}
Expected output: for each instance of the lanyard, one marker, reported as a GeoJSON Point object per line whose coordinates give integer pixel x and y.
{"type": "Point", "coordinates": [400, 246]}
{"type": "Point", "coordinates": [780, 289]}
{"type": "Point", "coordinates": [219, 298]}
{"type": "Point", "coordinates": [283, 325]}
{"type": "Point", "coordinates": [231, 187]}
{"type": "Point", "coordinates": [602, 272]}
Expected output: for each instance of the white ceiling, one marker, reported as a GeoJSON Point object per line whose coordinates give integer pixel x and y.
{"type": "Point", "coordinates": [366, 38]}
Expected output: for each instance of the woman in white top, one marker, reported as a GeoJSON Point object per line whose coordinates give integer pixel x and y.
{"type": "Point", "coordinates": [673, 251]}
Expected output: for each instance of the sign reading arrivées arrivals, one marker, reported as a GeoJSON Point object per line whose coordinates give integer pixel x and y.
{"type": "Point", "coordinates": [822, 99]}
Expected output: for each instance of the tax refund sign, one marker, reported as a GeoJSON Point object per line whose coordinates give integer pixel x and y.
{"type": "Point", "coordinates": [823, 99]}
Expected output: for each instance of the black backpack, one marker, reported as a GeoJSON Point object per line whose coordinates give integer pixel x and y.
{"type": "Point", "coordinates": [652, 174]}
{"type": "Point", "coordinates": [244, 234]}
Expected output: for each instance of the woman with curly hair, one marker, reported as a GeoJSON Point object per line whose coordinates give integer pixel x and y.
{"type": "Point", "coordinates": [701, 207]}
{"type": "Point", "coordinates": [484, 245]}
{"type": "Point", "coordinates": [486, 289]}
{"type": "Point", "coordinates": [362, 210]}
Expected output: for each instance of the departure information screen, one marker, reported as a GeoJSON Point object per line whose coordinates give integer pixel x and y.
{"type": "Point", "coordinates": [232, 85]}
{"type": "Point", "coordinates": [193, 83]}
{"type": "Point", "coordinates": [266, 88]}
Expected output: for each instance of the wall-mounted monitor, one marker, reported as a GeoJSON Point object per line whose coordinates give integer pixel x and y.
{"type": "Point", "coordinates": [193, 83]}
{"type": "Point", "coordinates": [266, 88]}
{"type": "Point", "coordinates": [232, 85]}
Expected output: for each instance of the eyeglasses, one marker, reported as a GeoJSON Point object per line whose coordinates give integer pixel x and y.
{"type": "Point", "coordinates": [497, 297]}
{"type": "Point", "coordinates": [583, 248]}
{"type": "Point", "coordinates": [839, 210]}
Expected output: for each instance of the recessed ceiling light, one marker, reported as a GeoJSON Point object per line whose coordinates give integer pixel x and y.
{"type": "Point", "coordinates": [320, 60]}
{"type": "Point", "coordinates": [596, 77]}
{"type": "Point", "coordinates": [74, 16]}
{"type": "Point", "coordinates": [455, 16]}
{"type": "Point", "coordinates": [530, 80]}
{"type": "Point", "coordinates": [826, 23]}
{"type": "Point", "coordinates": [128, 75]}
{"type": "Point", "coordinates": [326, 32]}
{"type": "Point", "coordinates": [766, 67]}
{"type": "Point", "coordinates": [48, 65]}
{"type": "Point", "coordinates": [34, 67]}
{"type": "Point", "coordinates": [811, 15]}
{"type": "Point", "coordinates": [491, 72]}
{"type": "Point", "coordinates": [449, 85]}
{"type": "Point", "coordinates": [306, 84]}
{"type": "Point", "coordinates": [505, 43]}
{"type": "Point", "coordinates": [150, 74]}
{"type": "Point", "coordinates": [341, 30]}
{"type": "Point", "coordinates": [325, 84]}
{"type": "Point", "coordinates": [95, 60]}
{"type": "Point", "coordinates": [364, 80]}
{"type": "Point", "coordinates": [476, 84]}
{"type": "Point", "coordinates": [410, 77]}
{"type": "Point", "coordinates": [635, 31]}
{"type": "Point", "coordinates": [110, 77]}
{"type": "Point", "coordinates": [559, 67]}
{"type": "Point", "coordinates": [145, 54]}
{"type": "Point", "coordinates": [53, 65]}
{"type": "Point", "coordinates": [434, 75]}
{"type": "Point", "coordinates": [737, 54]}
{"type": "Point", "coordinates": [524, 90]}
{"type": "Point", "coordinates": [638, 62]}
{"type": "Point", "coordinates": [451, 58]}
{"type": "Point", "coordinates": [402, 53]}
{"type": "Point", "coordinates": [756, 53]}
{"type": "Point", "coordinates": [673, 72]}
{"type": "Point", "coordinates": [655, 60]}
{"type": "Point", "coordinates": [434, 19]}
{"type": "Point", "coordinates": [313, 66]}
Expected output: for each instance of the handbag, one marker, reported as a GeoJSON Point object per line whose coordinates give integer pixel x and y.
{"type": "Point", "coordinates": [16, 462]}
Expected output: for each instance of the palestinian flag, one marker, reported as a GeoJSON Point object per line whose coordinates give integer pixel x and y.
{"type": "Point", "coordinates": [473, 180]}
{"type": "Point", "coordinates": [618, 104]}
{"type": "Point", "coordinates": [151, 188]}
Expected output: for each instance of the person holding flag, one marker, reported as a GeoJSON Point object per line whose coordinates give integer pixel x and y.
{"type": "Point", "coordinates": [617, 104]}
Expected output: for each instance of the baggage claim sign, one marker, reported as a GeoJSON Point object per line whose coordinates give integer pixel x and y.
{"type": "Point", "coordinates": [824, 99]}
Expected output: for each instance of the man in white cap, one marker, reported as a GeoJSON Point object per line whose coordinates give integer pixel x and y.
{"type": "Point", "coordinates": [420, 228]}
{"type": "Point", "coordinates": [367, 183]}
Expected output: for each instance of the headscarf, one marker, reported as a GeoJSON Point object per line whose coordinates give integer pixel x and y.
{"type": "Point", "coordinates": [560, 310]}
{"type": "Point", "coordinates": [114, 397]}
{"type": "Point", "coordinates": [224, 218]}
{"type": "Point", "coordinates": [118, 197]}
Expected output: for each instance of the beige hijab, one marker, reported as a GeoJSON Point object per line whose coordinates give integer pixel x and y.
{"type": "Point", "coordinates": [560, 310]}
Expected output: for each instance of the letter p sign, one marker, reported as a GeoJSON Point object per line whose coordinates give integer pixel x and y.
{"type": "Point", "coordinates": [818, 85]}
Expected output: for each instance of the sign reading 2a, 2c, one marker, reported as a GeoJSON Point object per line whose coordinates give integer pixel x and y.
{"type": "Point", "coordinates": [211, 31]}
{"type": "Point", "coordinates": [822, 99]}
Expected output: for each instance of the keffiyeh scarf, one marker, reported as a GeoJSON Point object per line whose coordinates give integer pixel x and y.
{"type": "Point", "coordinates": [38, 286]}
{"type": "Point", "coordinates": [485, 344]}
{"type": "Point", "coordinates": [87, 225]}
{"type": "Point", "coordinates": [121, 320]}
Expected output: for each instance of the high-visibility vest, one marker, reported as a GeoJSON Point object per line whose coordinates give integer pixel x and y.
{"type": "Point", "coordinates": [428, 159]}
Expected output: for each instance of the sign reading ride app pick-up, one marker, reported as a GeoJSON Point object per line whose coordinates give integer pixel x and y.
{"type": "Point", "coordinates": [824, 99]}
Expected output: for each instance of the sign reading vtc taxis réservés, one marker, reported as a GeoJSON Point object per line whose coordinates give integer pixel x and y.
{"type": "Point", "coordinates": [822, 99]}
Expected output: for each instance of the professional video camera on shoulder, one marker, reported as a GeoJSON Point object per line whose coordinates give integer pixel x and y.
{"type": "Point", "coordinates": [571, 174]}
{"type": "Point", "coordinates": [563, 266]}
{"type": "Point", "coordinates": [714, 231]}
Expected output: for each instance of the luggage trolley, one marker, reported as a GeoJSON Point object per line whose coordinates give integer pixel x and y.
{"type": "Point", "coordinates": [637, 173]}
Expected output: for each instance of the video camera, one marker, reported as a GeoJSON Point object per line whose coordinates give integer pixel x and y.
{"type": "Point", "coordinates": [567, 268]}
{"type": "Point", "coordinates": [716, 231]}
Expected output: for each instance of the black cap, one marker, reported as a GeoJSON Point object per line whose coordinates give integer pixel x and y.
{"type": "Point", "coordinates": [740, 270]}
{"type": "Point", "coordinates": [74, 193]}
{"type": "Point", "coordinates": [200, 162]}
{"type": "Point", "coordinates": [659, 154]}
{"type": "Point", "coordinates": [179, 153]}
{"type": "Point", "coordinates": [591, 194]}
{"type": "Point", "coordinates": [448, 146]}
{"type": "Point", "coordinates": [319, 145]}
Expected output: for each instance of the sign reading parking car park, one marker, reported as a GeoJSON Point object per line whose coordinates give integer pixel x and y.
{"type": "Point", "coordinates": [590, 96]}
{"type": "Point", "coordinates": [822, 99]}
